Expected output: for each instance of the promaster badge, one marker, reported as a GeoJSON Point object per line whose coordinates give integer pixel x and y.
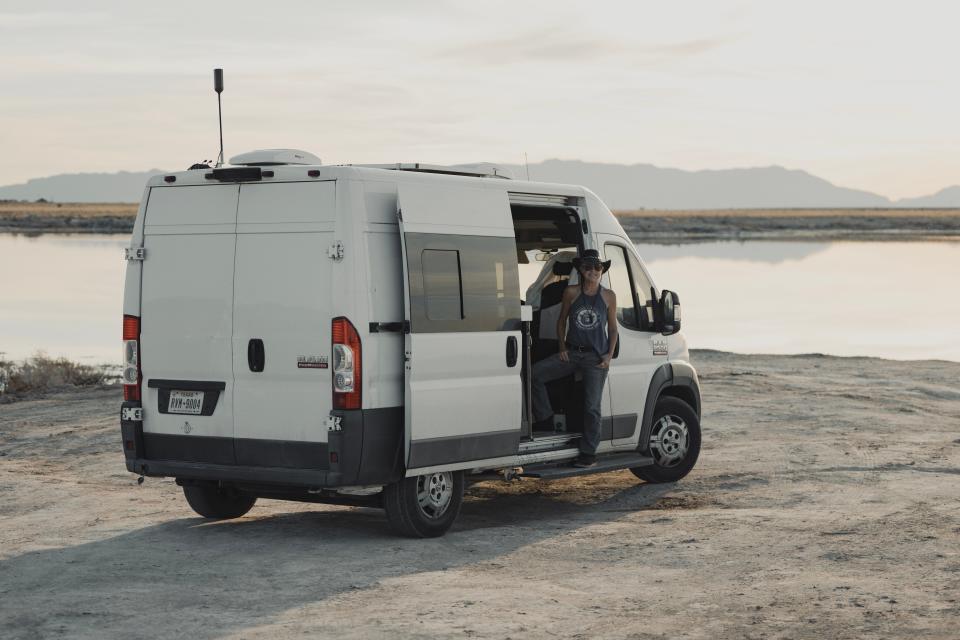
{"type": "Point", "coordinates": [312, 362]}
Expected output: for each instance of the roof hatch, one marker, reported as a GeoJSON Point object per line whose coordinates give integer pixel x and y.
{"type": "Point", "coordinates": [270, 157]}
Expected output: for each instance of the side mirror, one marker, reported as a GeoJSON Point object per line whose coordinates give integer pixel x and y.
{"type": "Point", "coordinates": [669, 312]}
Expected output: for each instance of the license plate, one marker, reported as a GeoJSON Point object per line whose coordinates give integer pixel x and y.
{"type": "Point", "coordinates": [190, 402]}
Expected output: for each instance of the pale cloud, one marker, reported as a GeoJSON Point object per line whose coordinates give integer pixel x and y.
{"type": "Point", "coordinates": [49, 19]}
{"type": "Point", "coordinates": [562, 45]}
{"type": "Point", "coordinates": [850, 91]}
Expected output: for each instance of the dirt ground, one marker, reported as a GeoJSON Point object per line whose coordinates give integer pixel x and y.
{"type": "Point", "coordinates": [825, 505]}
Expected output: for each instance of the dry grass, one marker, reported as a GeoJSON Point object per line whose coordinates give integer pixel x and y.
{"type": "Point", "coordinates": [68, 209]}
{"type": "Point", "coordinates": [41, 373]}
{"type": "Point", "coordinates": [789, 213]}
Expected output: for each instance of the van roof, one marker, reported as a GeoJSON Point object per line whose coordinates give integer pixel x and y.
{"type": "Point", "coordinates": [398, 172]}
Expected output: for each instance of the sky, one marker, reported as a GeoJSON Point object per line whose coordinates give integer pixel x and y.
{"type": "Point", "coordinates": [863, 94]}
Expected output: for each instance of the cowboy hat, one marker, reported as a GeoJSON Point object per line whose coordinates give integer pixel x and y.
{"type": "Point", "coordinates": [590, 255]}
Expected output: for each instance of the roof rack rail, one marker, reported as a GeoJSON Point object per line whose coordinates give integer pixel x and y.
{"type": "Point", "coordinates": [482, 170]}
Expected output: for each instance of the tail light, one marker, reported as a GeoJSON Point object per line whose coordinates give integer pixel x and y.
{"type": "Point", "coordinates": [131, 358]}
{"type": "Point", "coordinates": [347, 360]}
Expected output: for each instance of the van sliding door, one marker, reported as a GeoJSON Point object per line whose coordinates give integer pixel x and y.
{"type": "Point", "coordinates": [462, 371]}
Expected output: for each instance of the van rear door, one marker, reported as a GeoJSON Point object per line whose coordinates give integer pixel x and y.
{"type": "Point", "coordinates": [187, 323]}
{"type": "Point", "coordinates": [282, 313]}
{"type": "Point", "coordinates": [462, 350]}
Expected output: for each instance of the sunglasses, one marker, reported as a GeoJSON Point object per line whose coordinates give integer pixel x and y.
{"type": "Point", "coordinates": [592, 266]}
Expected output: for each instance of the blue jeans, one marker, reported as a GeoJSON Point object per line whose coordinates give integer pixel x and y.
{"type": "Point", "coordinates": [553, 368]}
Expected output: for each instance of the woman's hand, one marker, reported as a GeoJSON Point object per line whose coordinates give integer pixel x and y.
{"type": "Point", "coordinates": [604, 362]}
{"type": "Point", "coordinates": [564, 356]}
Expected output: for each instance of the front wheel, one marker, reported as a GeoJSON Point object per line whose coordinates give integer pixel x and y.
{"type": "Point", "coordinates": [674, 442]}
{"type": "Point", "coordinates": [424, 506]}
{"type": "Point", "coordinates": [211, 501]}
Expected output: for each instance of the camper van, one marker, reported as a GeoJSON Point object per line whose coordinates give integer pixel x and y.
{"type": "Point", "coordinates": [364, 334]}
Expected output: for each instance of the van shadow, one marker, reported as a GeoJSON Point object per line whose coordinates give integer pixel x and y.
{"type": "Point", "coordinates": [208, 579]}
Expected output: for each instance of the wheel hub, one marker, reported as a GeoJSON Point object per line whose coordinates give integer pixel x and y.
{"type": "Point", "coordinates": [434, 492]}
{"type": "Point", "coordinates": [669, 441]}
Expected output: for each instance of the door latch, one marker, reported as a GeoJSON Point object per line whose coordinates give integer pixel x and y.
{"type": "Point", "coordinates": [335, 251]}
{"type": "Point", "coordinates": [332, 423]}
{"type": "Point", "coordinates": [134, 253]}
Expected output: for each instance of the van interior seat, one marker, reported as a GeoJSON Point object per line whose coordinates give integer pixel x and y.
{"type": "Point", "coordinates": [545, 342]}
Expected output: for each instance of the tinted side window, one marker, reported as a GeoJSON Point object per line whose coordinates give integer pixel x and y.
{"type": "Point", "coordinates": [619, 275]}
{"type": "Point", "coordinates": [632, 287]}
{"type": "Point", "coordinates": [442, 287]}
{"type": "Point", "coordinates": [645, 294]}
{"type": "Point", "coordinates": [462, 283]}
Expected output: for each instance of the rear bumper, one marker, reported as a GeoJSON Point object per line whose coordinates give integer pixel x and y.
{"type": "Point", "coordinates": [366, 450]}
{"type": "Point", "coordinates": [234, 473]}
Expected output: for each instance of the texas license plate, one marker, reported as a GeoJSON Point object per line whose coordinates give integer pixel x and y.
{"type": "Point", "coordinates": [190, 402]}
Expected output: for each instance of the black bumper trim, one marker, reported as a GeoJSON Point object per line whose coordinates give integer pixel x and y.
{"type": "Point", "coordinates": [366, 450]}
{"type": "Point", "coordinates": [234, 473]}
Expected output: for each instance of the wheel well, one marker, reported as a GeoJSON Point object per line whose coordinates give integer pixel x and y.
{"type": "Point", "coordinates": [683, 393]}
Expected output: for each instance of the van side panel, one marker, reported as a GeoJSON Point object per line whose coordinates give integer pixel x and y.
{"type": "Point", "coordinates": [187, 316]}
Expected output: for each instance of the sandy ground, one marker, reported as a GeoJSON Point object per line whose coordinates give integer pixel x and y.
{"type": "Point", "coordinates": [647, 225]}
{"type": "Point", "coordinates": [825, 505]}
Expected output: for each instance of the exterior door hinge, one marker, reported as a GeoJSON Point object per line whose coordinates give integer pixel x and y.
{"type": "Point", "coordinates": [335, 251]}
{"type": "Point", "coordinates": [134, 253]}
{"type": "Point", "coordinates": [332, 423]}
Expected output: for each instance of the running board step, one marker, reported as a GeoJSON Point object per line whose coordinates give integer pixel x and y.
{"type": "Point", "coordinates": [615, 462]}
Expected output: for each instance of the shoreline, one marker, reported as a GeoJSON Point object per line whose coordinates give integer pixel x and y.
{"type": "Point", "coordinates": [649, 226]}
{"type": "Point", "coordinates": [112, 375]}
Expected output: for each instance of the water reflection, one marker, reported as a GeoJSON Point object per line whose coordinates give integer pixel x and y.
{"type": "Point", "coordinates": [63, 294]}
{"type": "Point", "coordinates": [844, 298]}
{"type": "Point", "coordinates": [748, 251]}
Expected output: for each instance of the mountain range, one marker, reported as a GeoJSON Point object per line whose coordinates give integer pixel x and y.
{"type": "Point", "coordinates": [622, 187]}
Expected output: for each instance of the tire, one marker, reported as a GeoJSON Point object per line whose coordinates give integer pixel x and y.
{"type": "Point", "coordinates": [214, 502]}
{"type": "Point", "coordinates": [674, 442]}
{"type": "Point", "coordinates": [424, 506]}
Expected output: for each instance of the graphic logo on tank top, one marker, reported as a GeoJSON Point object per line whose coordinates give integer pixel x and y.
{"type": "Point", "coordinates": [586, 319]}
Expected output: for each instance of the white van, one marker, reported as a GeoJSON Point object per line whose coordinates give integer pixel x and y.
{"type": "Point", "coordinates": [362, 335]}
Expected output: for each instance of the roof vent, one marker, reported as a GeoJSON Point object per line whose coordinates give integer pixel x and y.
{"type": "Point", "coordinates": [270, 157]}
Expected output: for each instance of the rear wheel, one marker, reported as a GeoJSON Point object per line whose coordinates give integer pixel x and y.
{"type": "Point", "coordinates": [211, 501]}
{"type": "Point", "coordinates": [674, 442]}
{"type": "Point", "coordinates": [424, 506]}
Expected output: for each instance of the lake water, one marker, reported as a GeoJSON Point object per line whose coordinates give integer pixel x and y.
{"type": "Point", "coordinates": [62, 294]}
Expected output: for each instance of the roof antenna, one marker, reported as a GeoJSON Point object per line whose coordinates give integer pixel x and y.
{"type": "Point", "coordinates": [218, 87]}
{"type": "Point", "coordinates": [526, 165]}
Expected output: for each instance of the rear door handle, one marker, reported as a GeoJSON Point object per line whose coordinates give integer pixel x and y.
{"type": "Point", "coordinates": [512, 351]}
{"type": "Point", "coordinates": [255, 355]}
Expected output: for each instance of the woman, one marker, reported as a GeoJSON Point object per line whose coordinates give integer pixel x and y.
{"type": "Point", "coordinates": [587, 347]}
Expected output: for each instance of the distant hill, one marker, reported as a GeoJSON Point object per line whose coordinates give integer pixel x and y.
{"type": "Point", "coordinates": [123, 186]}
{"type": "Point", "coordinates": [622, 187]}
{"type": "Point", "coordinates": [650, 187]}
{"type": "Point", "coordinates": [945, 198]}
